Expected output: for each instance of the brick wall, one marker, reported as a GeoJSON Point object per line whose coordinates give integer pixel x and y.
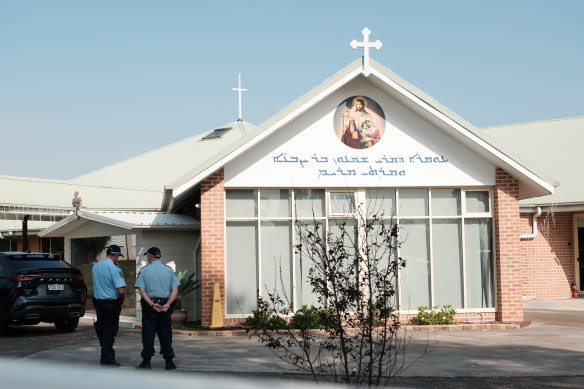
{"type": "Point", "coordinates": [212, 243]}
{"type": "Point", "coordinates": [548, 259]}
{"type": "Point", "coordinates": [508, 261]}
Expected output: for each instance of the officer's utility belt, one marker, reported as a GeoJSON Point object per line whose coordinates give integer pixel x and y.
{"type": "Point", "coordinates": [105, 301]}
{"type": "Point", "coordinates": [159, 300]}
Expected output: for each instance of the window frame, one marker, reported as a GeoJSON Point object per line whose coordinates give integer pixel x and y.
{"type": "Point", "coordinates": [360, 199]}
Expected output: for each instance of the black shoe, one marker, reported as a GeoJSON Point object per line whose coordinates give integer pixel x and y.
{"type": "Point", "coordinates": [145, 364]}
{"type": "Point", "coordinates": [170, 365]}
{"type": "Point", "coordinates": [111, 363]}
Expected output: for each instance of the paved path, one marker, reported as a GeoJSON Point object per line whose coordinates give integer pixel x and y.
{"type": "Point", "coordinates": [536, 350]}
{"type": "Point", "coordinates": [540, 349]}
{"type": "Point", "coordinates": [542, 353]}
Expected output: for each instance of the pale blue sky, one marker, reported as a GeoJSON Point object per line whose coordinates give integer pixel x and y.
{"type": "Point", "coordinates": [84, 84]}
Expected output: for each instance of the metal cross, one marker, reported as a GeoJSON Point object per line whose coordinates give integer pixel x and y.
{"type": "Point", "coordinates": [366, 45]}
{"type": "Point", "coordinates": [239, 90]}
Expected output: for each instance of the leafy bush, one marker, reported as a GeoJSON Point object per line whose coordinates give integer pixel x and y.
{"type": "Point", "coordinates": [264, 319]}
{"type": "Point", "coordinates": [188, 283]}
{"type": "Point", "coordinates": [431, 315]}
{"type": "Point", "coordinates": [329, 319]}
{"type": "Point", "coordinates": [307, 318]}
{"type": "Point", "coordinates": [382, 311]}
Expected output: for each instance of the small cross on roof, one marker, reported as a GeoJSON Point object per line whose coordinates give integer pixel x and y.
{"type": "Point", "coordinates": [239, 90]}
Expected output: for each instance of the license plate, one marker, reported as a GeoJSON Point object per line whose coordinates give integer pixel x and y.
{"type": "Point", "coordinates": [56, 287]}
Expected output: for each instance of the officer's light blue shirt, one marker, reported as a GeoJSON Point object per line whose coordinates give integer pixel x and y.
{"type": "Point", "coordinates": [157, 279]}
{"type": "Point", "coordinates": [107, 278]}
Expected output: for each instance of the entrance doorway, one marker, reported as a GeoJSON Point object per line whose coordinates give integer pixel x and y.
{"type": "Point", "coordinates": [580, 250]}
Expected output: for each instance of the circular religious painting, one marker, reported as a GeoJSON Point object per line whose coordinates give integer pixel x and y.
{"type": "Point", "coordinates": [359, 122]}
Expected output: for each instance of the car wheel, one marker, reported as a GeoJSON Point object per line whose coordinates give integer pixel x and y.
{"type": "Point", "coordinates": [67, 325]}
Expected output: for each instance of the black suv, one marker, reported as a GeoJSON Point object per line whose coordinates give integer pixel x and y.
{"type": "Point", "coordinates": [37, 287]}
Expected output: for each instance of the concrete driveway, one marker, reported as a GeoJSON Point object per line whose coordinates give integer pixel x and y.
{"type": "Point", "coordinates": [549, 351]}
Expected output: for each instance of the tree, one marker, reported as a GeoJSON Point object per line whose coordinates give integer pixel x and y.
{"type": "Point", "coordinates": [353, 273]}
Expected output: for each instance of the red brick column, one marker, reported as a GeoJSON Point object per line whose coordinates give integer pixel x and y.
{"type": "Point", "coordinates": [508, 248]}
{"type": "Point", "coordinates": [212, 243]}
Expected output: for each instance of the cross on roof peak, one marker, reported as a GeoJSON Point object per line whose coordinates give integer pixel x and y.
{"type": "Point", "coordinates": [239, 90]}
{"type": "Point", "coordinates": [366, 45]}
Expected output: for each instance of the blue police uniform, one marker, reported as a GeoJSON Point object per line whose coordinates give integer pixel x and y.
{"type": "Point", "coordinates": [107, 278]}
{"type": "Point", "coordinates": [157, 279]}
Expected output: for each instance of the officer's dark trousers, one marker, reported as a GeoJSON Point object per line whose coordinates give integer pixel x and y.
{"type": "Point", "coordinates": [106, 327]}
{"type": "Point", "coordinates": [156, 323]}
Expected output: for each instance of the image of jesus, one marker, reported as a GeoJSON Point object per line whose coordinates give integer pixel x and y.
{"type": "Point", "coordinates": [359, 122]}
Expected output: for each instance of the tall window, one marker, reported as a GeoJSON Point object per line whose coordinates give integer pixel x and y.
{"type": "Point", "coordinates": [445, 234]}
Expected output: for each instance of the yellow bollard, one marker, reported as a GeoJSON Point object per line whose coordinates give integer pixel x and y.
{"type": "Point", "coordinates": [217, 318]}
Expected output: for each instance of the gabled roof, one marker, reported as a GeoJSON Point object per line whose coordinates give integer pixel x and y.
{"type": "Point", "coordinates": [33, 195]}
{"type": "Point", "coordinates": [157, 168]}
{"type": "Point", "coordinates": [124, 220]}
{"type": "Point", "coordinates": [532, 183]}
{"type": "Point", "coordinates": [553, 145]}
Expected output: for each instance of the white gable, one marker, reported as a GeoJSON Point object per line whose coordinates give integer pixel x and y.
{"type": "Point", "coordinates": [309, 151]}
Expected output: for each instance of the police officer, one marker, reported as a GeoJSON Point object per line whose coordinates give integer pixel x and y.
{"type": "Point", "coordinates": [109, 291]}
{"type": "Point", "coordinates": [158, 287]}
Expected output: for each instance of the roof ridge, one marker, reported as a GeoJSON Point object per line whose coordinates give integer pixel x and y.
{"type": "Point", "coordinates": [69, 183]}
{"type": "Point", "coordinates": [532, 122]}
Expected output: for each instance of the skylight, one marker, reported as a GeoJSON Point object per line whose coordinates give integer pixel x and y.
{"type": "Point", "coordinates": [217, 133]}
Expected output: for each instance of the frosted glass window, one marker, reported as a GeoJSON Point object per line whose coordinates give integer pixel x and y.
{"type": "Point", "coordinates": [445, 202]}
{"type": "Point", "coordinates": [446, 258]}
{"type": "Point", "coordinates": [241, 203]}
{"type": "Point", "coordinates": [479, 263]}
{"type": "Point", "coordinates": [415, 277]}
{"type": "Point", "coordinates": [379, 251]}
{"type": "Point", "coordinates": [276, 257]}
{"type": "Point", "coordinates": [380, 202]}
{"type": "Point", "coordinates": [241, 277]}
{"type": "Point", "coordinates": [477, 202]}
{"type": "Point", "coordinates": [309, 202]}
{"type": "Point", "coordinates": [345, 232]}
{"type": "Point", "coordinates": [304, 261]}
{"type": "Point", "coordinates": [413, 202]}
{"type": "Point", "coordinates": [275, 203]}
{"type": "Point", "coordinates": [349, 226]}
{"type": "Point", "coordinates": [342, 202]}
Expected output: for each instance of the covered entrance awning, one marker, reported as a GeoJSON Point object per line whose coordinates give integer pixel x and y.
{"type": "Point", "coordinates": [120, 220]}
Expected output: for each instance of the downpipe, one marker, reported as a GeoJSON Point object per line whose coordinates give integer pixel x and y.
{"type": "Point", "coordinates": [534, 226]}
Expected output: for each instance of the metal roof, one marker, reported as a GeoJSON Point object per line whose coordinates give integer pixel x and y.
{"type": "Point", "coordinates": [554, 146]}
{"type": "Point", "coordinates": [535, 183]}
{"type": "Point", "coordinates": [157, 168]}
{"type": "Point", "coordinates": [124, 220]}
{"type": "Point", "coordinates": [14, 227]}
{"type": "Point", "coordinates": [33, 195]}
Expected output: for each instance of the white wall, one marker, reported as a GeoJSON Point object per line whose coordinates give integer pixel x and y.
{"type": "Point", "coordinates": [312, 138]}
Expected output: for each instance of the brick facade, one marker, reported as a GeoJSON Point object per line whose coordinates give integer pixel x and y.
{"type": "Point", "coordinates": [212, 243]}
{"type": "Point", "coordinates": [548, 265]}
{"type": "Point", "coordinates": [542, 267]}
{"type": "Point", "coordinates": [508, 263]}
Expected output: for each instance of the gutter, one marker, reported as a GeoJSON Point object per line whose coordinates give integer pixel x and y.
{"type": "Point", "coordinates": [534, 226]}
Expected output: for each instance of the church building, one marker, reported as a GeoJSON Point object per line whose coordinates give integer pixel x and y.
{"type": "Point", "coordinates": [482, 225]}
